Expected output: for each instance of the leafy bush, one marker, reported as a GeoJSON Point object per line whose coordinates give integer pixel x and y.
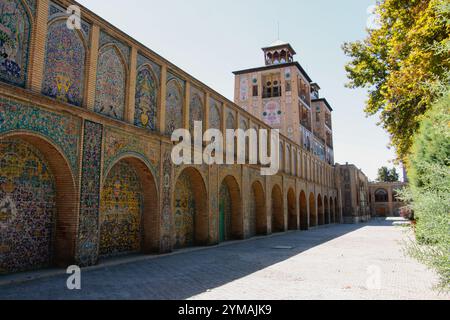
{"type": "Point", "coordinates": [429, 192]}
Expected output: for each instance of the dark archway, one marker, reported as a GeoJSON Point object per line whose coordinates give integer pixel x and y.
{"type": "Point", "coordinates": [277, 210]}
{"type": "Point", "coordinates": [190, 210]}
{"type": "Point", "coordinates": [326, 211]}
{"type": "Point", "coordinates": [303, 211]}
{"type": "Point", "coordinates": [257, 211]}
{"type": "Point", "coordinates": [128, 209]}
{"type": "Point", "coordinates": [231, 221]}
{"type": "Point", "coordinates": [312, 211]}
{"type": "Point", "coordinates": [320, 211]}
{"type": "Point", "coordinates": [35, 177]}
{"type": "Point", "coordinates": [292, 211]}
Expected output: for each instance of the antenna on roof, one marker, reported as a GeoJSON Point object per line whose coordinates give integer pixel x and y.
{"type": "Point", "coordinates": [278, 30]}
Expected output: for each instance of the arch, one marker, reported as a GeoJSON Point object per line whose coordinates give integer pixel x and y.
{"type": "Point", "coordinates": [111, 82]}
{"type": "Point", "coordinates": [381, 195]}
{"type": "Point", "coordinates": [174, 107]}
{"type": "Point", "coordinates": [65, 60]}
{"type": "Point", "coordinates": [303, 211]}
{"type": "Point", "coordinates": [320, 211]}
{"type": "Point", "coordinates": [190, 210]}
{"type": "Point", "coordinates": [32, 167]}
{"type": "Point", "coordinates": [15, 46]}
{"type": "Point", "coordinates": [292, 211]}
{"type": "Point", "coordinates": [231, 122]}
{"type": "Point", "coordinates": [257, 210]}
{"type": "Point", "coordinates": [128, 209]}
{"type": "Point", "coordinates": [215, 120]}
{"type": "Point", "coordinates": [337, 214]}
{"type": "Point", "coordinates": [312, 210]}
{"type": "Point", "coordinates": [231, 220]}
{"type": "Point", "coordinates": [146, 98]}
{"type": "Point", "coordinates": [277, 210]}
{"type": "Point", "coordinates": [195, 111]}
{"type": "Point", "coordinates": [326, 211]}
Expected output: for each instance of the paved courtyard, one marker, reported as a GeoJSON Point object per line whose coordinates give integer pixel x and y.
{"type": "Point", "coordinates": [336, 262]}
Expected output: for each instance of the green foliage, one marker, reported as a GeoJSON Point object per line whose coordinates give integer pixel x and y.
{"type": "Point", "coordinates": [401, 64]}
{"type": "Point", "coordinates": [429, 192]}
{"type": "Point", "coordinates": [387, 175]}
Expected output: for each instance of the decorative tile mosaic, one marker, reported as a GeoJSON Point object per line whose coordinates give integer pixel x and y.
{"type": "Point", "coordinates": [156, 68]}
{"type": "Point", "coordinates": [195, 109]}
{"type": "Point", "coordinates": [166, 213]}
{"type": "Point", "coordinates": [15, 33]}
{"type": "Point", "coordinates": [56, 11]}
{"type": "Point", "coordinates": [215, 120]}
{"type": "Point", "coordinates": [87, 253]}
{"type": "Point", "coordinates": [27, 207]}
{"type": "Point", "coordinates": [118, 143]}
{"type": "Point", "coordinates": [146, 107]}
{"type": "Point", "coordinates": [184, 213]}
{"type": "Point", "coordinates": [64, 64]}
{"type": "Point", "coordinates": [62, 130]}
{"type": "Point", "coordinates": [110, 87]}
{"type": "Point", "coordinates": [105, 39]}
{"type": "Point", "coordinates": [120, 211]}
{"type": "Point", "coordinates": [225, 212]}
{"type": "Point", "coordinates": [174, 106]}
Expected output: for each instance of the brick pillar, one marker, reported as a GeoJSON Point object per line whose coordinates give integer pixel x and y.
{"type": "Point", "coordinates": [131, 99]}
{"type": "Point", "coordinates": [37, 63]}
{"type": "Point", "coordinates": [162, 100]}
{"type": "Point", "coordinates": [213, 205]}
{"type": "Point", "coordinates": [167, 186]}
{"type": "Point", "coordinates": [92, 68]}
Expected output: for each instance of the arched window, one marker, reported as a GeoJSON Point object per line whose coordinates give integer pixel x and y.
{"type": "Point", "coordinates": [381, 195]}
{"type": "Point", "coordinates": [174, 107]}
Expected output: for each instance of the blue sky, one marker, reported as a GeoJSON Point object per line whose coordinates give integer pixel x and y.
{"type": "Point", "coordinates": [211, 38]}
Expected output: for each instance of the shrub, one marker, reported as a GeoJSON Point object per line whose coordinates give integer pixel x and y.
{"type": "Point", "coordinates": [429, 192]}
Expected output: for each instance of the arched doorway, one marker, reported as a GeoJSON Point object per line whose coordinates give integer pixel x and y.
{"type": "Point", "coordinates": [257, 211]}
{"type": "Point", "coordinates": [231, 221]}
{"type": "Point", "coordinates": [128, 209]}
{"type": "Point", "coordinates": [303, 211]}
{"type": "Point", "coordinates": [38, 220]}
{"type": "Point", "coordinates": [277, 210]}
{"type": "Point", "coordinates": [332, 214]}
{"type": "Point", "coordinates": [190, 210]}
{"type": "Point", "coordinates": [337, 214]}
{"type": "Point", "coordinates": [326, 211]}
{"type": "Point", "coordinates": [312, 211]}
{"type": "Point", "coordinates": [292, 211]}
{"type": "Point", "coordinates": [320, 211]}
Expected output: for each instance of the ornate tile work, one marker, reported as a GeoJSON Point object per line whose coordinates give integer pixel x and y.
{"type": "Point", "coordinates": [89, 197]}
{"type": "Point", "coordinates": [56, 11]}
{"type": "Point", "coordinates": [110, 87]}
{"type": "Point", "coordinates": [141, 60]}
{"type": "Point", "coordinates": [107, 39]}
{"type": "Point", "coordinates": [231, 122]}
{"type": "Point", "coordinates": [120, 211]}
{"type": "Point", "coordinates": [195, 108]}
{"type": "Point", "coordinates": [27, 207]}
{"type": "Point", "coordinates": [31, 5]}
{"type": "Point", "coordinates": [146, 107]}
{"type": "Point", "coordinates": [225, 213]}
{"type": "Point", "coordinates": [63, 130]}
{"type": "Point", "coordinates": [174, 107]}
{"type": "Point", "coordinates": [15, 32]}
{"type": "Point", "coordinates": [118, 143]}
{"type": "Point", "coordinates": [166, 213]}
{"type": "Point", "coordinates": [251, 214]}
{"type": "Point", "coordinates": [184, 212]}
{"type": "Point", "coordinates": [64, 64]}
{"type": "Point", "coordinates": [214, 203]}
{"type": "Point", "coordinates": [215, 120]}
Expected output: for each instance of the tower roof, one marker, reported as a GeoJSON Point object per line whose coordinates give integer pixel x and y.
{"type": "Point", "coordinates": [278, 45]}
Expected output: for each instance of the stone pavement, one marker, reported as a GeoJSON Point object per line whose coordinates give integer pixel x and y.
{"type": "Point", "coordinates": [335, 262]}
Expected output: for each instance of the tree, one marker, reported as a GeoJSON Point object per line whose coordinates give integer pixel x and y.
{"type": "Point", "coordinates": [400, 64]}
{"type": "Point", "coordinates": [387, 175]}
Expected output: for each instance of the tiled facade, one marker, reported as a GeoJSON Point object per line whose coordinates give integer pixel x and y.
{"type": "Point", "coordinates": [94, 148]}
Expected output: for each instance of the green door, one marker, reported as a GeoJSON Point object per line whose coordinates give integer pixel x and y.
{"type": "Point", "coordinates": [221, 221]}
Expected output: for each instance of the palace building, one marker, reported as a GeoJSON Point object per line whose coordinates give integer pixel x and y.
{"type": "Point", "coordinates": [86, 117]}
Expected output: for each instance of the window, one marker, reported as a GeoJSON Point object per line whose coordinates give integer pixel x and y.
{"type": "Point", "coordinates": [255, 91]}
{"type": "Point", "coordinates": [272, 86]}
{"type": "Point", "coordinates": [381, 195]}
{"type": "Point", "coordinates": [288, 86]}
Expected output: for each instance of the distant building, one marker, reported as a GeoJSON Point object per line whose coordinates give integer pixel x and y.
{"type": "Point", "coordinates": [384, 200]}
